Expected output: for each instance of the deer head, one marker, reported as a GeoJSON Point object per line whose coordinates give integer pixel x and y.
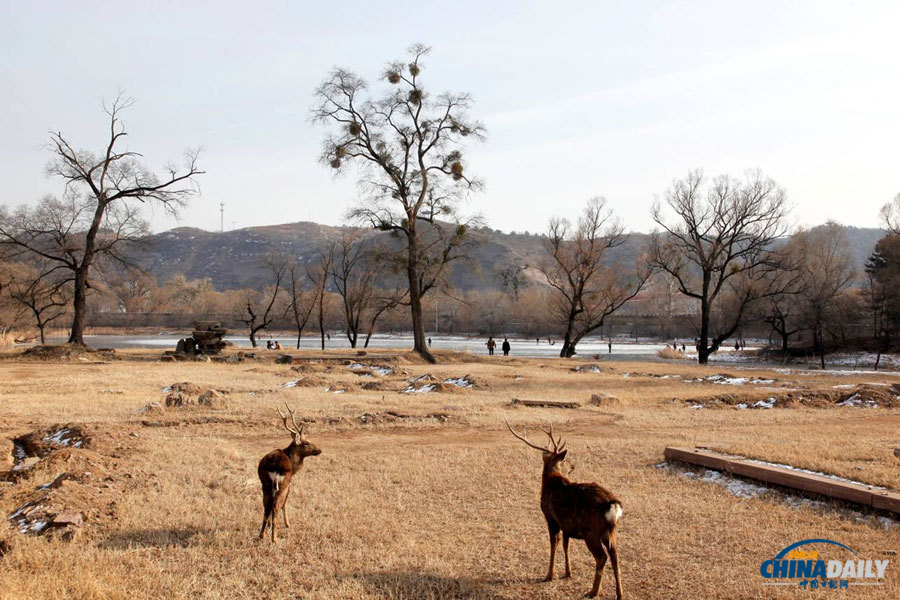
{"type": "Point", "coordinates": [300, 447]}
{"type": "Point", "coordinates": [553, 454]}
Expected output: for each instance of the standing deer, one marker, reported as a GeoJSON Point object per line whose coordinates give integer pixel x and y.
{"type": "Point", "coordinates": [276, 470]}
{"type": "Point", "coordinates": [584, 511]}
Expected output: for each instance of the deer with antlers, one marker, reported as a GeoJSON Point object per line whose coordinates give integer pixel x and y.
{"type": "Point", "coordinates": [276, 470]}
{"type": "Point", "coordinates": [585, 511]}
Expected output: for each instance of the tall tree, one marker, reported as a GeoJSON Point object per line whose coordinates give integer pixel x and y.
{"type": "Point", "coordinates": [890, 214]}
{"type": "Point", "coordinates": [883, 291]}
{"type": "Point", "coordinates": [36, 289]}
{"type": "Point", "coordinates": [260, 306]}
{"type": "Point", "coordinates": [720, 246]}
{"type": "Point", "coordinates": [98, 215]}
{"type": "Point", "coordinates": [317, 273]}
{"type": "Point", "coordinates": [301, 298]}
{"type": "Point", "coordinates": [406, 144]}
{"type": "Point", "coordinates": [826, 271]}
{"type": "Point", "coordinates": [588, 286]}
{"type": "Point", "coordinates": [354, 270]}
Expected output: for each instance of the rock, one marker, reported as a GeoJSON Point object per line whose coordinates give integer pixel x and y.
{"type": "Point", "coordinates": [212, 399]}
{"type": "Point", "coordinates": [186, 387]}
{"type": "Point", "coordinates": [284, 359]}
{"type": "Point", "coordinates": [361, 352]}
{"type": "Point", "coordinates": [27, 463]}
{"type": "Point", "coordinates": [234, 358]}
{"type": "Point", "coordinates": [604, 399]}
{"type": "Point", "coordinates": [897, 452]}
{"type": "Point", "coordinates": [67, 519]}
{"type": "Point", "coordinates": [153, 407]}
{"type": "Point", "coordinates": [176, 399]}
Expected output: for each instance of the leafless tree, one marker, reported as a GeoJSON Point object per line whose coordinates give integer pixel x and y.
{"type": "Point", "coordinates": [354, 272]}
{"type": "Point", "coordinates": [98, 215]}
{"type": "Point", "coordinates": [406, 144]}
{"type": "Point", "coordinates": [317, 273]}
{"type": "Point", "coordinates": [826, 271]}
{"type": "Point", "coordinates": [260, 307]}
{"type": "Point", "coordinates": [512, 278]}
{"type": "Point", "coordinates": [45, 297]}
{"type": "Point", "coordinates": [301, 298]}
{"type": "Point", "coordinates": [890, 214]}
{"type": "Point", "coordinates": [720, 246]}
{"type": "Point", "coordinates": [588, 287]}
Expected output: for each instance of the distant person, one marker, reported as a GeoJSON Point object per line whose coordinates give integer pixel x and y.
{"type": "Point", "coordinates": [277, 345]}
{"type": "Point", "coordinates": [505, 347]}
{"type": "Point", "coordinates": [328, 336]}
{"type": "Point", "coordinates": [737, 345]}
{"type": "Point", "coordinates": [743, 344]}
{"type": "Point", "coordinates": [268, 344]}
{"type": "Point", "coordinates": [429, 342]}
{"type": "Point", "coordinates": [537, 341]}
{"type": "Point", "coordinates": [491, 344]}
{"type": "Point", "coordinates": [682, 347]}
{"type": "Point", "coordinates": [609, 344]}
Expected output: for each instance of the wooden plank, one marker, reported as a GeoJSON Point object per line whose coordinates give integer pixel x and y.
{"type": "Point", "coordinates": [858, 493]}
{"type": "Point", "coordinates": [545, 403]}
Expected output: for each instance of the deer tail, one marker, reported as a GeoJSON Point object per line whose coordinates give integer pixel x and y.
{"type": "Point", "coordinates": [613, 513]}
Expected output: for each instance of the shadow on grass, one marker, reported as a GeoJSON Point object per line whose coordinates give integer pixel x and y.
{"type": "Point", "coordinates": [152, 538]}
{"type": "Point", "coordinates": [412, 584]}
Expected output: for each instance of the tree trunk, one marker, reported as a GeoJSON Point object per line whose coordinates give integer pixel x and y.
{"type": "Point", "coordinates": [703, 348]}
{"type": "Point", "coordinates": [415, 299]}
{"type": "Point", "coordinates": [79, 305]}
{"type": "Point", "coordinates": [252, 338]}
{"type": "Point", "coordinates": [299, 335]}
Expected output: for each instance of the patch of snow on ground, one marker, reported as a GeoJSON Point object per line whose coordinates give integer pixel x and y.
{"type": "Point", "coordinates": [419, 390]}
{"type": "Point", "coordinates": [291, 384]}
{"type": "Point", "coordinates": [855, 400]}
{"type": "Point", "coordinates": [382, 370]}
{"type": "Point", "coordinates": [459, 382]}
{"type": "Point", "coordinates": [697, 406]}
{"type": "Point", "coordinates": [61, 437]}
{"type": "Point", "coordinates": [769, 403]}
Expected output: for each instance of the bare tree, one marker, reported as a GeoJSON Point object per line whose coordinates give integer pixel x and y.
{"type": "Point", "coordinates": [406, 144]}
{"type": "Point", "coordinates": [826, 272]}
{"type": "Point", "coordinates": [588, 287]}
{"type": "Point", "coordinates": [260, 307]}
{"type": "Point", "coordinates": [301, 298]}
{"type": "Point", "coordinates": [46, 297]}
{"type": "Point", "coordinates": [720, 246]}
{"type": "Point", "coordinates": [354, 271]}
{"type": "Point", "coordinates": [317, 273]}
{"type": "Point", "coordinates": [890, 214]}
{"type": "Point", "coordinates": [512, 278]}
{"type": "Point", "coordinates": [97, 216]}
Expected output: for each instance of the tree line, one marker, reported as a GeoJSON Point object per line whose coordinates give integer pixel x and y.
{"type": "Point", "coordinates": [721, 245]}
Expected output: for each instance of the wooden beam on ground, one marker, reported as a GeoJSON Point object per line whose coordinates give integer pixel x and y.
{"type": "Point", "coordinates": [857, 493]}
{"type": "Point", "coordinates": [545, 403]}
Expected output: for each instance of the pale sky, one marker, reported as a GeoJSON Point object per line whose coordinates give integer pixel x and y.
{"type": "Point", "coordinates": [579, 98]}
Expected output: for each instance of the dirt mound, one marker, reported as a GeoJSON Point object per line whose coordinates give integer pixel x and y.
{"type": "Point", "coordinates": [68, 352]}
{"type": "Point", "coordinates": [861, 396]}
{"type": "Point", "coordinates": [306, 381]}
{"type": "Point", "coordinates": [61, 484]}
{"type": "Point", "coordinates": [187, 394]}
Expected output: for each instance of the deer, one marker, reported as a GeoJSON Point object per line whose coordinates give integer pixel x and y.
{"type": "Point", "coordinates": [277, 468]}
{"type": "Point", "coordinates": [585, 511]}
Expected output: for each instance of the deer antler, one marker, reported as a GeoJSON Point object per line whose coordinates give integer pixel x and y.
{"type": "Point", "coordinates": [522, 438]}
{"type": "Point", "coordinates": [296, 429]}
{"type": "Point", "coordinates": [559, 444]}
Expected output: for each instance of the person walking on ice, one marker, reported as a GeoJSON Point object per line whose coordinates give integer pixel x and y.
{"type": "Point", "coordinates": [491, 344]}
{"type": "Point", "coordinates": [505, 347]}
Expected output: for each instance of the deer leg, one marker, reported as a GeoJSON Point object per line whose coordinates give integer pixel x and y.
{"type": "Point", "coordinates": [614, 560]}
{"type": "Point", "coordinates": [554, 541]}
{"type": "Point", "coordinates": [267, 510]}
{"type": "Point", "coordinates": [277, 504]}
{"type": "Point", "coordinates": [284, 507]}
{"type": "Point", "coordinates": [566, 553]}
{"type": "Point", "coordinates": [600, 556]}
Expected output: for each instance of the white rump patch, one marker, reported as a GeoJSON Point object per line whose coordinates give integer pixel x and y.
{"type": "Point", "coordinates": [614, 513]}
{"type": "Point", "coordinates": [276, 480]}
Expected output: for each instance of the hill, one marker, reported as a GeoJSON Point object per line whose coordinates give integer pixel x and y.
{"type": "Point", "coordinates": [233, 259]}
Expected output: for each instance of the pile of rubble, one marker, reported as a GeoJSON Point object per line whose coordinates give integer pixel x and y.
{"type": "Point", "coordinates": [207, 339]}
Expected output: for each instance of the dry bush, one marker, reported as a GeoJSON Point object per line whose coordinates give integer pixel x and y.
{"type": "Point", "coordinates": [670, 353]}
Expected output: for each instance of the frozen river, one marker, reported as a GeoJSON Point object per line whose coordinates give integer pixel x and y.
{"type": "Point", "coordinates": [475, 345]}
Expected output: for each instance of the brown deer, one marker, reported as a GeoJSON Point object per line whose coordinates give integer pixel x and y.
{"type": "Point", "coordinates": [584, 511]}
{"type": "Point", "coordinates": [276, 470]}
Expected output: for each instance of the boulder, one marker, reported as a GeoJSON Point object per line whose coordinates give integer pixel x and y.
{"type": "Point", "coordinates": [153, 407]}
{"type": "Point", "coordinates": [67, 519]}
{"type": "Point", "coordinates": [186, 387]}
{"type": "Point", "coordinates": [897, 452]}
{"type": "Point", "coordinates": [284, 359]}
{"type": "Point", "coordinates": [604, 399]}
{"type": "Point", "coordinates": [176, 399]}
{"type": "Point", "coordinates": [212, 399]}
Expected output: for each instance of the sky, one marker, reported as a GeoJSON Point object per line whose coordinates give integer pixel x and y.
{"type": "Point", "coordinates": [580, 99]}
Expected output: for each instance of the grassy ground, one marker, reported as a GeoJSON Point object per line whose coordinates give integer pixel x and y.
{"type": "Point", "coordinates": [434, 501]}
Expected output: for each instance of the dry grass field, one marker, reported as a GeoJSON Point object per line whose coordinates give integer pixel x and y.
{"type": "Point", "coordinates": [421, 495]}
